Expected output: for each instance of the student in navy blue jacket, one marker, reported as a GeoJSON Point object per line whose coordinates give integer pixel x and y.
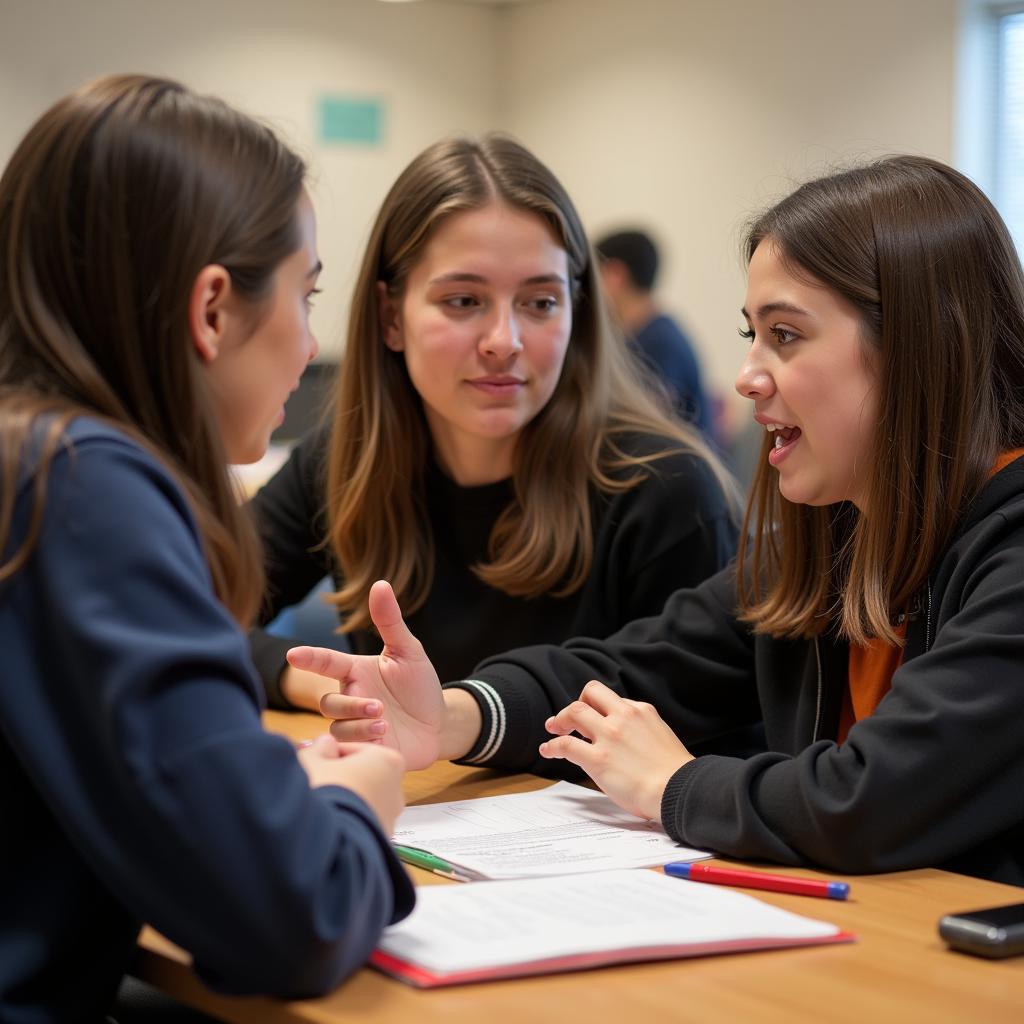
{"type": "Point", "coordinates": [874, 619]}
{"type": "Point", "coordinates": [159, 257]}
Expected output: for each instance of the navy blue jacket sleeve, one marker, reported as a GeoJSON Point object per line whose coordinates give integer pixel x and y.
{"type": "Point", "coordinates": [136, 714]}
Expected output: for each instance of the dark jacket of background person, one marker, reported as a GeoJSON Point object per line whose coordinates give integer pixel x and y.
{"type": "Point", "coordinates": [129, 727]}
{"type": "Point", "coordinates": [630, 263]}
{"type": "Point", "coordinates": [933, 778]}
{"type": "Point", "coordinates": [669, 356]}
{"type": "Point", "coordinates": [673, 529]}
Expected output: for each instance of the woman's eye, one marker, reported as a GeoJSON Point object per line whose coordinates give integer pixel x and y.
{"type": "Point", "coordinates": [461, 302]}
{"type": "Point", "coordinates": [310, 295]}
{"type": "Point", "coordinates": [543, 304]}
{"type": "Point", "coordinates": [748, 333]}
{"type": "Point", "coordinates": [783, 335]}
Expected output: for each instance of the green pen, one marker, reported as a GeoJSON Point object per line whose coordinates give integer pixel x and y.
{"type": "Point", "coordinates": [427, 861]}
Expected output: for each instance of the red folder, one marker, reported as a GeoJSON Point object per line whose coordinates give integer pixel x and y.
{"type": "Point", "coordinates": [423, 977]}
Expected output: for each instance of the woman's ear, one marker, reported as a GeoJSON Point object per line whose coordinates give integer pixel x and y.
{"type": "Point", "coordinates": [390, 319]}
{"type": "Point", "coordinates": [209, 316]}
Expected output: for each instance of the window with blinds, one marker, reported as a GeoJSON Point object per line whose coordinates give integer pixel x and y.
{"type": "Point", "coordinates": [1009, 135]}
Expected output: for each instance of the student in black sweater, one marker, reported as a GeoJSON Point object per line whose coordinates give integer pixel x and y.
{"type": "Point", "coordinates": [873, 621]}
{"type": "Point", "coordinates": [492, 450]}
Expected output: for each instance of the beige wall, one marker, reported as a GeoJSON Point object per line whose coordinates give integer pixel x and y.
{"type": "Point", "coordinates": [689, 115]}
{"type": "Point", "coordinates": [274, 59]}
{"type": "Point", "coordinates": [684, 114]}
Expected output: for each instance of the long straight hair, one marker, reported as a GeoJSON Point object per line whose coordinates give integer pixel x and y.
{"type": "Point", "coordinates": [543, 541]}
{"type": "Point", "coordinates": [111, 205]}
{"type": "Point", "coordinates": [925, 258]}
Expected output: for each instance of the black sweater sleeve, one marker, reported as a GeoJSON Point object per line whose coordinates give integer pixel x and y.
{"type": "Point", "coordinates": [291, 520]}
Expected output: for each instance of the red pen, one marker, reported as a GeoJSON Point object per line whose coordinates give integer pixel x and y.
{"type": "Point", "coordinates": [758, 880]}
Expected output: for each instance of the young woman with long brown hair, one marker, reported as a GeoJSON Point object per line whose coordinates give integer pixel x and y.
{"type": "Point", "coordinates": [493, 451]}
{"type": "Point", "coordinates": [158, 255]}
{"type": "Point", "coordinates": [873, 620]}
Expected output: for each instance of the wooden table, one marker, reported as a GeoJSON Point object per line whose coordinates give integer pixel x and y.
{"type": "Point", "coordinates": [898, 970]}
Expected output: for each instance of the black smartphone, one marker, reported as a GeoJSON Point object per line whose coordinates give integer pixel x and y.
{"type": "Point", "coordinates": [995, 932]}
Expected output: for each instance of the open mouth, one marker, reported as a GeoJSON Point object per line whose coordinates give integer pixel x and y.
{"type": "Point", "coordinates": [783, 439]}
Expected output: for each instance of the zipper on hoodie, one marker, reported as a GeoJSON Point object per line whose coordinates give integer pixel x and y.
{"type": "Point", "coordinates": [928, 620]}
{"type": "Point", "coordinates": [817, 659]}
{"type": "Point", "coordinates": [817, 713]}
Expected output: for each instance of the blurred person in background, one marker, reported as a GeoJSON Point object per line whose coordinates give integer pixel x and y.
{"type": "Point", "coordinates": [629, 270]}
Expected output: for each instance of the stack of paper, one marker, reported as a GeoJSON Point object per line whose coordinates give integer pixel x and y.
{"type": "Point", "coordinates": [563, 829]}
{"type": "Point", "coordinates": [494, 930]}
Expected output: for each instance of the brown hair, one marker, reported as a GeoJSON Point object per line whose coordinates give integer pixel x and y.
{"type": "Point", "coordinates": [543, 540]}
{"type": "Point", "coordinates": [111, 205]}
{"type": "Point", "coordinates": [925, 258]}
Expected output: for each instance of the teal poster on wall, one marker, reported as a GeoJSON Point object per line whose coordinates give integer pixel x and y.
{"type": "Point", "coordinates": [349, 120]}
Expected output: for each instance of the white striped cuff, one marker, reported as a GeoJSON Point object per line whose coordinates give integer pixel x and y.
{"type": "Point", "coordinates": [497, 715]}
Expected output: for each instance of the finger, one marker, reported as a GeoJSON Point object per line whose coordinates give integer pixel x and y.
{"type": "Point", "coordinates": [576, 717]}
{"type": "Point", "coordinates": [346, 750]}
{"type": "Point", "coordinates": [569, 748]}
{"type": "Point", "coordinates": [386, 754]}
{"type": "Point", "coordinates": [340, 705]}
{"type": "Point", "coordinates": [601, 697]}
{"type": "Point", "coordinates": [361, 731]}
{"type": "Point", "coordinates": [387, 617]}
{"type": "Point", "coordinates": [641, 705]}
{"type": "Point", "coordinates": [324, 662]}
{"type": "Point", "coordinates": [324, 745]}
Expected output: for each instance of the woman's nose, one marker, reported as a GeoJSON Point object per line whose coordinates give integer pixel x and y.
{"type": "Point", "coordinates": [754, 380]}
{"type": "Point", "coordinates": [502, 339]}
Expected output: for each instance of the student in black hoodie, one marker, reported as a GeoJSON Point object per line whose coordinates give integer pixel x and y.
{"type": "Point", "coordinates": [874, 620]}
{"type": "Point", "coordinates": [159, 257]}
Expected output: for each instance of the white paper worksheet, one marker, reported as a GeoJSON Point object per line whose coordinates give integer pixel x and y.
{"type": "Point", "coordinates": [563, 829]}
{"type": "Point", "coordinates": [568, 923]}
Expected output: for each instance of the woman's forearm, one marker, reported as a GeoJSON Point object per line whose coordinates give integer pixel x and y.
{"type": "Point", "coordinates": [460, 728]}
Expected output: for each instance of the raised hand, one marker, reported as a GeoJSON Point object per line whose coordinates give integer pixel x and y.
{"type": "Point", "coordinates": [632, 753]}
{"type": "Point", "coordinates": [393, 698]}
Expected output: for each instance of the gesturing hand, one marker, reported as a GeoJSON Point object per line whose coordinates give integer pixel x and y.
{"type": "Point", "coordinates": [400, 680]}
{"type": "Point", "coordinates": [632, 753]}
